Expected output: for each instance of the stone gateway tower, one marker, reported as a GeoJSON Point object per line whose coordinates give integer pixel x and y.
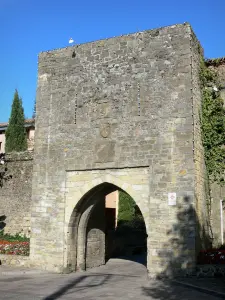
{"type": "Point", "coordinates": [119, 114]}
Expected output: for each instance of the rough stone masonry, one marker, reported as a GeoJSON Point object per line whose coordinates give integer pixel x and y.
{"type": "Point", "coordinates": [120, 113]}
{"type": "Point", "coordinates": [15, 194]}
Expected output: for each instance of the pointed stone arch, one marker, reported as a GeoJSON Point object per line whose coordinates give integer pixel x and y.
{"type": "Point", "coordinates": [82, 188]}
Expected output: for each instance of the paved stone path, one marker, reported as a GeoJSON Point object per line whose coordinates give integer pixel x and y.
{"type": "Point", "coordinates": [118, 279]}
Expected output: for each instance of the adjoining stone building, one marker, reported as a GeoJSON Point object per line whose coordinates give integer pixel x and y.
{"type": "Point", "coordinates": [121, 113]}
{"type": "Point", "coordinates": [15, 194]}
{"type": "Point", "coordinates": [30, 129]}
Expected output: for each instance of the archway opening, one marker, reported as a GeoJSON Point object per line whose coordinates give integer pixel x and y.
{"type": "Point", "coordinates": [106, 223]}
{"type": "Point", "coordinates": [126, 235]}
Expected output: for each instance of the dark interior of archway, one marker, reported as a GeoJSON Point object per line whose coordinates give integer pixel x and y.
{"type": "Point", "coordinates": [122, 227]}
{"type": "Point", "coordinates": [125, 230]}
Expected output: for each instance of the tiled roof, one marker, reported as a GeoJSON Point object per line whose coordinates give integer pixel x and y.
{"type": "Point", "coordinates": [3, 124]}
{"type": "Point", "coordinates": [27, 122]}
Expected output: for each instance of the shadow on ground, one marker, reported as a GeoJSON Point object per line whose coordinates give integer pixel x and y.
{"type": "Point", "coordinates": [163, 290]}
{"type": "Point", "coordinates": [86, 282]}
{"type": "Point", "coordinates": [78, 284]}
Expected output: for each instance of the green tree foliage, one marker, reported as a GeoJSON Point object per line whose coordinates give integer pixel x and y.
{"type": "Point", "coordinates": [126, 211]}
{"type": "Point", "coordinates": [16, 139]}
{"type": "Point", "coordinates": [213, 124]}
{"type": "Point", "coordinates": [34, 110]}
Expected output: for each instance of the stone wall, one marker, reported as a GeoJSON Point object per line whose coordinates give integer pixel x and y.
{"type": "Point", "coordinates": [15, 260]}
{"type": "Point", "coordinates": [120, 103]}
{"type": "Point", "coordinates": [15, 195]}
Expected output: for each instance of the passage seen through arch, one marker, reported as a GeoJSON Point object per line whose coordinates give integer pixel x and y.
{"type": "Point", "coordinates": [106, 223]}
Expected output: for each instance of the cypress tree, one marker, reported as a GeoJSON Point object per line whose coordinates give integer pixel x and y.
{"type": "Point", "coordinates": [16, 138]}
{"type": "Point", "coordinates": [34, 110]}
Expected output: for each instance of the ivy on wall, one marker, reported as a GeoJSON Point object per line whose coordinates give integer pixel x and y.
{"type": "Point", "coordinates": [212, 124]}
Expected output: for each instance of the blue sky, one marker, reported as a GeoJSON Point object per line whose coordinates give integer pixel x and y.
{"type": "Point", "coordinates": [28, 27]}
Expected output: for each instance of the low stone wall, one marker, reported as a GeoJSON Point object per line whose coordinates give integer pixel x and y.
{"type": "Point", "coordinates": [210, 270]}
{"type": "Point", "coordinates": [23, 261]}
{"type": "Point", "coordinates": [15, 260]}
{"type": "Point", "coordinates": [15, 194]}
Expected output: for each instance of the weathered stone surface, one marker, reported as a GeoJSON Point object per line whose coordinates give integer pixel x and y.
{"type": "Point", "coordinates": [14, 260]}
{"type": "Point", "coordinates": [15, 195]}
{"type": "Point", "coordinates": [105, 151]}
{"type": "Point", "coordinates": [145, 86]}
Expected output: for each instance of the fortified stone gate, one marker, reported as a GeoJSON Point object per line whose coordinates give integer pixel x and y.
{"type": "Point", "coordinates": [121, 113]}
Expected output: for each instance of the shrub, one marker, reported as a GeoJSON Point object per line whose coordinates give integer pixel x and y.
{"type": "Point", "coordinates": [212, 256]}
{"type": "Point", "coordinates": [14, 244]}
{"type": "Point", "coordinates": [14, 248]}
{"type": "Point", "coordinates": [13, 238]}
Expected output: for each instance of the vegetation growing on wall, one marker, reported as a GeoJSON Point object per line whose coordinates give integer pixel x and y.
{"type": "Point", "coordinates": [213, 124]}
{"type": "Point", "coordinates": [215, 61]}
{"type": "Point", "coordinates": [16, 139]}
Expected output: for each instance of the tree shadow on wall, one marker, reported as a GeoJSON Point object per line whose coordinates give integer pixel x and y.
{"type": "Point", "coordinates": [177, 256]}
{"type": "Point", "coordinates": [2, 223]}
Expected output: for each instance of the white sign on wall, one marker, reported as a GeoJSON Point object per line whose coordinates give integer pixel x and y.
{"type": "Point", "coordinates": [172, 198]}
